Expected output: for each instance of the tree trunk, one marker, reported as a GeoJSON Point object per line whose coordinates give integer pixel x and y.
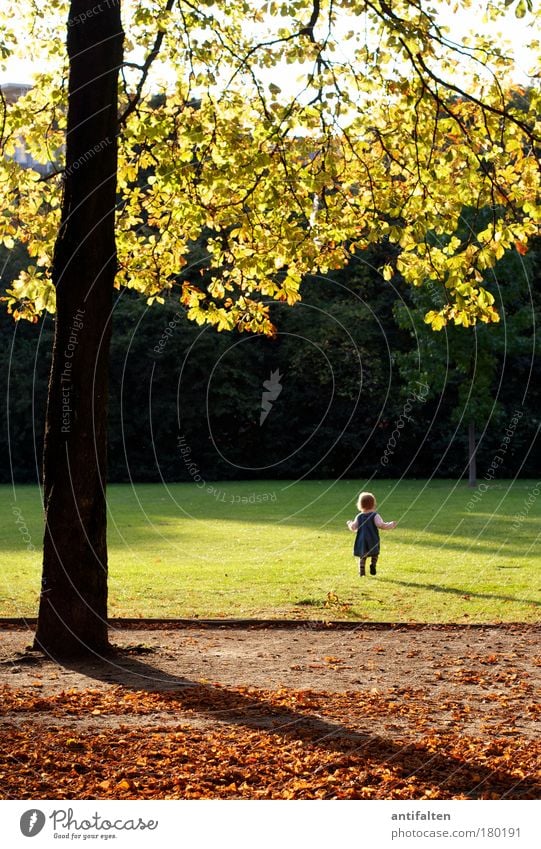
{"type": "Point", "coordinates": [472, 456]}
{"type": "Point", "coordinates": [73, 605]}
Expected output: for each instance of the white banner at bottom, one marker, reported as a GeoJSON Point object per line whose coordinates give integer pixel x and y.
{"type": "Point", "coordinates": [265, 824]}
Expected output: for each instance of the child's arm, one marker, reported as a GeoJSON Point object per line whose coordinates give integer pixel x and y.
{"type": "Point", "coordinates": [352, 524]}
{"type": "Point", "coordinates": [384, 526]}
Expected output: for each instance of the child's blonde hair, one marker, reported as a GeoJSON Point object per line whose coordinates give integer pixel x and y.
{"type": "Point", "coordinates": [366, 501]}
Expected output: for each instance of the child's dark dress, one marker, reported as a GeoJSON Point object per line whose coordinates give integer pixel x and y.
{"type": "Point", "coordinates": [367, 539]}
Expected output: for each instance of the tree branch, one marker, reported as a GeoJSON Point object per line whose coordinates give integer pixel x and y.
{"type": "Point", "coordinates": [4, 118]}
{"type": "Point", "coordinates": [309, 29]}
{"type": "Point", "coordinates": [501, 113]}
{"type": "Point", "coordinates": [145, 68]}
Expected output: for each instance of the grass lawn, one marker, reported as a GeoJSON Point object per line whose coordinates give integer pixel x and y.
{"type": "Point", "coordinates": [282, 549]}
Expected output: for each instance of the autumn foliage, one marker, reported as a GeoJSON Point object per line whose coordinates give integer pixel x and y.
{"type": "Point", "coordinates": [381, 127]}
{"type": "Point", "coordinates": [210, 741]}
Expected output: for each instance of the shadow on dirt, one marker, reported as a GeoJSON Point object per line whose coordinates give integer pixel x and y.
{"type": "Point", "coordinates": [353, 746]}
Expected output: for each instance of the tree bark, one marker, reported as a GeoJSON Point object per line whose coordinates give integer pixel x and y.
{"type": "Point", "coordinates": [72, 616]}
{"type": "Point", "coordinates": [472, 456]}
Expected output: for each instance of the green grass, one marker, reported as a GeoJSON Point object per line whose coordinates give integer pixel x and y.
{"type": "Point", "coordinates": [184, 551]}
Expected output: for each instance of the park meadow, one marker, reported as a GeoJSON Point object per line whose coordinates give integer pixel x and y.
{"type": "Point", "coordinates": [281, 549]}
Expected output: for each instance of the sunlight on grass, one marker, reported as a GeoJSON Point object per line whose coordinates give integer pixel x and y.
{"type": "Point", "coordinates": [281, 549]}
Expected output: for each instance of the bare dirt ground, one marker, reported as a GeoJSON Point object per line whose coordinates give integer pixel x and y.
{"type": "Point", "coordinates": [470, 665]}
{"type": "Point", "coordinates": [448, 690]}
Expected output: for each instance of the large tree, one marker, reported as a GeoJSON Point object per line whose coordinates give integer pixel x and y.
{"type": "Point", "coordinates": [385, 128]}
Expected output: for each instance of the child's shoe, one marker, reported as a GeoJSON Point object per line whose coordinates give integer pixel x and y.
{"type": "Point", "coordinates": [372, 570]}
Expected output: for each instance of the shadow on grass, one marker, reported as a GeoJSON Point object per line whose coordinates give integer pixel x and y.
{"type": "Point", "coordinates": [306, 520]}
{"type": "Point", "coordinates": [438, 588]}
{"type": "Point", "coordinates": [356, 749]}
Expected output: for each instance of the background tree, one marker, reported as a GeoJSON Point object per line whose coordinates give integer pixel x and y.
{"type": "Point", "coordinates": [287, 183]}
{"type": "Point", "coordinates": [473, 367]}
{"type": "Point", "coordinates": [349, 315]}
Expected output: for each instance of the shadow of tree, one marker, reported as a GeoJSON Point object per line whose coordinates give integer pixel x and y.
{"type": "Point", "coordinates": [354, 747]}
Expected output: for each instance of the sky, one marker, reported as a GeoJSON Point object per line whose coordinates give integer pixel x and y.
{"type": "Point", "coordinates": [517, 32]}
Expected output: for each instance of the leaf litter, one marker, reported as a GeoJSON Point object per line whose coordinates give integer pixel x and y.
{"type": "Point", "coordinates": [129, 729]}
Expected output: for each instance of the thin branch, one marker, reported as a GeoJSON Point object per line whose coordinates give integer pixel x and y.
{"type": "Point", "coordinates": [145, 68]}
{"type": "Point", "coordinates": [501, 113]}
{"type": "Point", "coordinates": [4, 118]}
{"type": "Point", "coordinates": [56, 173]}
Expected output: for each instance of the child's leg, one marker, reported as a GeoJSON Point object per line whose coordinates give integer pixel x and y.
{"type": "Point", "coordinates": [373, 564]}
{"type": "Point", "coordinates": [362, 567]}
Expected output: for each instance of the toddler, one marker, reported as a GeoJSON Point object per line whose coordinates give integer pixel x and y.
{"type": "Point", "coordinates": [368, 524]}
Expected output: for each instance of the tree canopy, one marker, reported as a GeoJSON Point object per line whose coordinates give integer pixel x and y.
{"type": "Point", "coordinates": [292, 134]}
